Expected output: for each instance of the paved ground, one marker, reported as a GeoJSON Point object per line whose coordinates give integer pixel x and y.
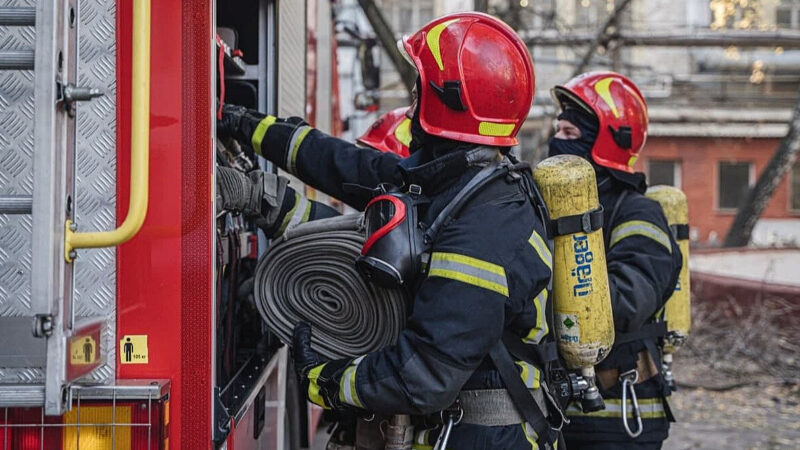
{"type": "Point", "coordinates": [762, 414]}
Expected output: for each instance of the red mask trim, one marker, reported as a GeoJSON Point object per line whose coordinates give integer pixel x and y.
{"type": "Point", "coordinates": [399, 217]}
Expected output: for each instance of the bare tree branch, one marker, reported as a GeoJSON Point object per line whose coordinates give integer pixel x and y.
{"type": "Point", "coordinates": [757, 198]}
{"type": "Point", "coordinates": [389, 42]}
{"type": "Point", "coordinates": [600, 38]}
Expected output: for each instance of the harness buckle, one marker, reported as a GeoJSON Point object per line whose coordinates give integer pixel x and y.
{"type": "Point", "coordinates": [629, 379]}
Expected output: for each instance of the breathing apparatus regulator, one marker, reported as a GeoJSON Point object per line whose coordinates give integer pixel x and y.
{"type": "Point", "coordinates": [677, 311]}
{"type": "Point", "coordinates": [397, 247]}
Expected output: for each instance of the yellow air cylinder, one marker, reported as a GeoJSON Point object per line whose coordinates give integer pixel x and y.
{"type": "Point", "coordinates": [581, 300]}
{"type": "Point", "coordinates": [677, 311]}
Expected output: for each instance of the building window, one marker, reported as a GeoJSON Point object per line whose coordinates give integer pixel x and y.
{"type": "Point", "coordinates": [794, 188]}
{"type": "Point", "coordinates": [787, 14]}
{"type": "Point", "coordinates": [735, 179]}
{"type": "Point", "coordinates": [664, 172]}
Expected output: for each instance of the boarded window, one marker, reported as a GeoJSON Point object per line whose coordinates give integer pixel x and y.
{"type": "Point", "coordinates": [664, 172]}
{"type": "Point", "coordinates": [733, 183]}
{"type": "Point", "coordinates": [794, 191]}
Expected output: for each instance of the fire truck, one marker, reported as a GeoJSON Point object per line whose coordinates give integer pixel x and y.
{"type": "Point", "coordinates": [127, 318]}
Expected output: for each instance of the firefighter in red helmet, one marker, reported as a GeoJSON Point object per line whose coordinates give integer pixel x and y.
{"type": "Point", "coordinates": [604, 120]}
{"type": "Point", "coordinates": [390, 133]}
{"type": "Point", "coordinates": [482, 278]}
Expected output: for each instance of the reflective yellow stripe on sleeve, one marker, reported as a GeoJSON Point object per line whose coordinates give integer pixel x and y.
{"type": "Point", "coordinates": [541, 248]}
{"type": "Point", "coordinates": [261, 131]}
{"type": "Point", "coordinates": [639, 228]}
{"type": "Point", "coordinates": [541, 329]}
{"type": "Point", "coordinates": [294, 147]}
{"type": "Point", "coordinates": [469, 270]}
{"type": "Point", "coordinates": [313, 387]}
{"type": "Point", "coordinates": [347, 385]}
{"type": "Point", "coordinates": [296, 214]}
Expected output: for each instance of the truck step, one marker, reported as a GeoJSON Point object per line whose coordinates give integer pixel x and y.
{"type": "Point", "coordinates": [16, 204]}
{"type": "Point", "coordinates": [17, 17]}
{"type": "Point", "coordinates": [16, 59]}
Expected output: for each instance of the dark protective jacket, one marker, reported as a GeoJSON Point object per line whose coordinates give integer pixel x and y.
{"type": "Point", "coordinates": [643, 266]}
{"type": "Point", "coordinates": [488, 272]}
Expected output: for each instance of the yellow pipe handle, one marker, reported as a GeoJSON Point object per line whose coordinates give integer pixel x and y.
{"type": "Point", "coordinates": [140, 145]}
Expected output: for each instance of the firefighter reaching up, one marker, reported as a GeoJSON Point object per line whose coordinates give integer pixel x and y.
{"type": "Point", "coordinates": [604, 120]}
{"type": "Point", "coordinates": [485, 267]}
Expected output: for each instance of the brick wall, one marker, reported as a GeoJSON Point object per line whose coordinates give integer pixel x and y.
{"type": "Point", "coordinates": [699, 176]}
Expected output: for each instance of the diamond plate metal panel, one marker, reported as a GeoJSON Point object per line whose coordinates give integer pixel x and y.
{"type": "Point", "coordinates": [96, 171]}
{"type": "Point", "coordinates": [16, 172]}
{"type": "Point", "coordinates": [291, 58]}
{"type": "Point", "coordinates": [95, 195]}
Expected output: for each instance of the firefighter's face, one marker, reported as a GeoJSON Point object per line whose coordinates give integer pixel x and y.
{"type": "Point", "coordinates": [414, 100]}
{"type": "Point", "coordinates": [567, 130]}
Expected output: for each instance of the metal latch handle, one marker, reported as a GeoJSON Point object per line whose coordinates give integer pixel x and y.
{"type": "Point", "coordinates": [140, 147]}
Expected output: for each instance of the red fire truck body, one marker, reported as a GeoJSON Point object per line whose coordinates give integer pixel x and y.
{"type": "Point", "coordinates": [182, 374]}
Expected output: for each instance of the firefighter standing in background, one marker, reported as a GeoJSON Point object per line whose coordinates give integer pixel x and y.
{"type": "Point", "coordinates": [487, 269]}
{"type": "Point", "coordinates": [604, 120]}
{"type": "Point", "coordinates": [390, 133]}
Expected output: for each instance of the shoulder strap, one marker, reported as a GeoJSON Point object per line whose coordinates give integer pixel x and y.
{"type": "Point", "coordinates": [520, 396]}
{"type": "Point", "coordinates": [486, 175]}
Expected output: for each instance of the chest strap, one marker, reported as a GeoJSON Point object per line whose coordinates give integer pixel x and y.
{"type": "Point", "coordinates": [586, 223]}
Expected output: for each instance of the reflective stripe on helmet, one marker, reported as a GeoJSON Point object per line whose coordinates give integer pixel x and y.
{"type": "Point", "coordinates": [541, 248]}
{"type": "Point", "coordinates": [650, 408]}
{"type": "Point", "coordinates": [403, 132]}
{"type": "Point", "coordinates": [261, 131]}
{"type": "Point", "coordinates": [639, 228]}
{"type": "Point", "coordinates": [469, 270]}
{"type": "Point", "coordinates": [495, 129]}
{"type": "Point", "coordinates": [603, 89]}
{"type": "Point", "coordinates": [347, 385]}
{"type": "Point", "coordinates": [541, 329]}
{"type": "Point", "coordinates": [432, 38]}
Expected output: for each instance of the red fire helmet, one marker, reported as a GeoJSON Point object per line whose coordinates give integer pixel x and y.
{"type": "Point", "coordinates": [390, 133]}
{"type": "Point", "coordinates": [621, 112]}
{"type": "Point", "coordinates": [477, 80]}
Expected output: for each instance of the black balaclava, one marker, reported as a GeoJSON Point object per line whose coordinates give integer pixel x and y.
{"type": "Point", "coordinates": [588, 124]}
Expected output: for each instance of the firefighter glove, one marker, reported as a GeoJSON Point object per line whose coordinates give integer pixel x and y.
{"type": "Point", "coordinates": [257, 194]}
{"type": "Point", "coordinates": [319, 378]}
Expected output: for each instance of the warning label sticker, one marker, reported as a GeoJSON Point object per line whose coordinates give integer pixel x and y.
{"type": "Point", "coordinates": [133, 349]}
{"type": "Point", "coordinates": [568, 329]}
{"type": "Point", "coordinates": [82, 351]}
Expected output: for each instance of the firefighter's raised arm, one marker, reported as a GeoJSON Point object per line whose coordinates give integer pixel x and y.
{"type": "Point", "coordinates": [322, 161]}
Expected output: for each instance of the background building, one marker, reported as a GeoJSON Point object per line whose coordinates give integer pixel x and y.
{"type": "Point", "coordinates": [717, 110]}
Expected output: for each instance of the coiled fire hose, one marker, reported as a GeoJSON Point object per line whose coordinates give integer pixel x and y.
{"type": "Point", "coordinates": [309, 274]}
